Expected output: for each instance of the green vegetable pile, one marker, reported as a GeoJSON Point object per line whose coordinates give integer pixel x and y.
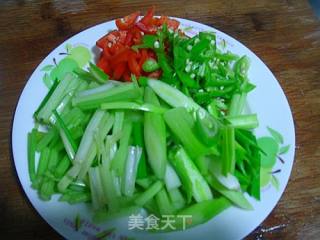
{"type": "Point", "coordinates": [179, 145]}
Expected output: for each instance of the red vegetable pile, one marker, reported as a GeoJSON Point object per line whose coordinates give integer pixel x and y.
{"type": "Point", "coordinates": [117, 58]}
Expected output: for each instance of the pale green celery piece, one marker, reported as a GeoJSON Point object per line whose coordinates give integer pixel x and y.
{"type": "Point", "coordinates": [78, 197]}
{"type": "Point", "coordinates": [235, 196]}
{"type": "Point", "coordinates": [118, 121]}
{"type": "Point", "coordinates": [130, 172]}
{"type": "Point", "coordinates": [176, 120]}
{"type": "Point", "coordinates": [93, 85]}
{"type": "Point", "coordinates": [41, 168]}
{"type": "Point", "coordinates": [53, 159]}
{"type": "Point", "coordinates": [68, 141]}
{"type": "Point", "coordinates": [97, 194]}
{"type": "Point", "coordinates": [87, 141]}
{"type": "Point", "coordinates": [62, 167]}
{"type": "Point", "coordinates": [102, 129]}
{"type": "Point", "coordinates": [164, 203]}
{"type": "Point", "coordinates": [65, 105]}
{"type": "Point", "coordinates": [109, 189]}
{"type": "Point", "coordinates": [96, 89]}
{"type": "Point", "coordinates": [52, 133]}
{"type": "Point", "coordinates": [237, 104]}
{"type": "Point", "coordinates": [85, 154]}
{"type": "Point", "coordinates": [133, 106]}
{"type": "Point", "coordinates": [43, 162]}
{"type": "Point", "coordinates": [65, 86]}
{"type": "Point", "coordinates": [106, 125]}
{"type": "Point", "coordinates": [87, 163]}
{"type": "Point", "coordinates": [119, 160]}
{"type": "Point", "coordinates": [111, 145]}
{"type": "Point", "coordinates": [31, 154]}
{"type": "Point", "coordinates": [145, 182]}
{"type": "Point", "coordinates": [69, 176]}
{"type": "Point", "coordinates": [171, 178]}
{"type": "Point", "coordinates": [101, 151]}
{"type": "Point", "coordinates": [125, 92]}
{"type": "Point", "coordinates": [46, 189]}
{"type": "Point", "coordinates": [177, 199]}
{"type": "Point", "coordinates": [71, 121]}
{"type": "Point", "coordinates": [228, 150]}
{"type": "Point", "coordinates": [155, 137]}
{"type": "Point", "coordinates": [142, 199]}
{"type": "Point", "coordinates": [192, 180]}
{"type": "Point", "coordinates": [98, 74]}
{"type": "Point", "coordinates": [248, 121]}
{"type": "Point", "coordinates": [229, 181]}
{"type": "Point", "coordinates": [152, 208]}
{"type": "Point", "coordinates": [116, 182]}
{"type": "Point", "coordinates": [201, 212]}
{"type": "Point", "coordinates": [172, 96]}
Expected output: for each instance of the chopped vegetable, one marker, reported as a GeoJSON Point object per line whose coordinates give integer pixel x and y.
{"type": "Point", "coordinates": [155, 137]}
{"type": "Point", "coordinates": [192, 180]}
{"type": "Point", "coordinates": [159, 123]}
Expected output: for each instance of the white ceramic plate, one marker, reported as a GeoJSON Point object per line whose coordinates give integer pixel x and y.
{"type": "Point", "coordinates": [267, 100]}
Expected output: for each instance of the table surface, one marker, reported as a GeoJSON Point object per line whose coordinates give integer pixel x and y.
{"type": "Point", "coordinates": [284, 34]}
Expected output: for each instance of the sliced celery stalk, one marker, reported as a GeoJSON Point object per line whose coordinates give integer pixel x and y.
{"type": "Point", "coordinates": [178, 120]}
{"type": "Point", "coordinates": [138, 140]}
{"type": "Point", "coordinates": [228, 150]}
{"type": "Point", "coordinates": [177, 199]}
{"type": "Point", "coordinates": [155, 137]}
{"type": "Point", "coordinates": [66, 85]}
{"type": "Point", "coordinates": [97, 194]}
{"type": "Point", "coordinates": [68, 142]}
{"type": "Point", "coordinates": [41, 168]}
{"type": "Point", "coordinates": [201, 212]}
{"type": "Point", "coordinates": [171, 95]}
{"type": "Point", "coordinates": [97, 73]}
{"type": "Point", "coordinates": [192, 180]}
{"type": "Point", "coordinates": [46, 98]}
{"type": "Point", "coordinates": [130, 173]}
{"type": "Point", "coordinates": [74, 197]}
{"type": "Point", "coordinates": [149, 193]}
{"type": "Point", "coordinates": [62, 167]}
{"type": "Point", "coordinates": [163, 202]}
{"type": "Point", "coordinates": [96, 97]}
{"type": "Point", "coordinates": [236, 197]}
{"type": "Point", "coordinates": [133, 106]}
{"type": "Point", "coordinates": [109, 188]}
{"type": "Point", "coordinates": [31, 154]}
{"type": "Point", "coordinates": [65, 105]}
{"type": "Point", "coordinates": [118, 121]}
{"type": "Point", "coordinates": [171, 178]}
{"type": "Point", "coordinates": [86, 152]}
{"type": "Point", "coordinates": [249, 121]}
{"type": "Point", "coordinates": [237, 104]}
{"type": "Point", "coordinates": [119, 160]}
{"type": "Point", "coordinates": [88, 148]}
